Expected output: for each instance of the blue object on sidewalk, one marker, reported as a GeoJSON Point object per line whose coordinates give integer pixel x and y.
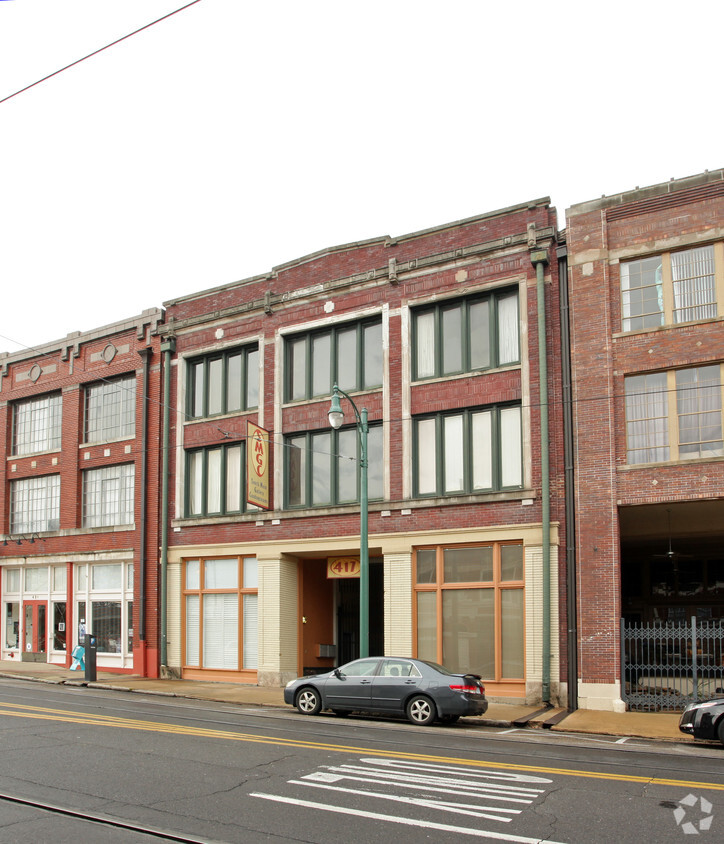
{"type": "Point", "coordinates": [78, 655]}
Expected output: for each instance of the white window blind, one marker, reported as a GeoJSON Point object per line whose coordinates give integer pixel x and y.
{"type": "Point", "coordinates": [692, 274]}
{"type": "Point", "coordinates": [192, 630]}
{"type": "Point", "coordinates": [511, 466]}
{"type": "Point", "coordinates": [508, 329]}
{"type": "Point", "coordinates": [221, 626]}
{"type": "Point", "coordinates": [482, 450]}
{"type": "Point", "coordinates": [251, 624]}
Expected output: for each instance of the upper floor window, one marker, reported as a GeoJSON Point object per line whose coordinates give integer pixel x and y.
{"type": "Point", "coordinates": [348, 355]}
{"type": "Point", "coordinates": [323, 467]}
{"type": "Point", "coordinates": [674, 415]}
{"type": "Point", "coordinates": [216, 481]}
{"type": "Point", "coordinates": [224, 382]}
{"type": "Point", "coordinates": [35, 504]}
{"type": "Point", "coordinates": [37, 424]}
{"type": "Point", "coordinates": [468, 451]}
{"type": "Point", "coordinates": [108, 496]}
{"type": "Point", "coordinates": [466, 334]}
{"type": "Point", "coordinates": [110, 409]}
{"type": "Point", "coordinates": [670, 288]}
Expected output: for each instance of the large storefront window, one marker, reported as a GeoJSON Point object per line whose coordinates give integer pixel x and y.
{"type": "Point", "coordinates": [104, 608]}
{"type": "Point", "coordinates": [220, 609]}
{"type": "Point", "coordinates": [34, 610]}
{"type": "Point", "coordinates": [469, 609]}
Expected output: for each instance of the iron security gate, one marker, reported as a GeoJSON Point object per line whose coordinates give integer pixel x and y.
{"type": "Point", "coordinates": [667, 666]}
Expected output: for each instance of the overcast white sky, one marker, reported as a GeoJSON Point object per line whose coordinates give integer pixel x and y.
{"type": "Point", "coordinates": [235, 135]}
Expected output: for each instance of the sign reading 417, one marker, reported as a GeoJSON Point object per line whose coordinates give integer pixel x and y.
{"type": "Point", "coordinates": [343, 567]}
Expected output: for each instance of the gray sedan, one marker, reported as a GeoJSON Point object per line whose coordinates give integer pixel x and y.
{"type": "Point", "coordinates": [421, 690]}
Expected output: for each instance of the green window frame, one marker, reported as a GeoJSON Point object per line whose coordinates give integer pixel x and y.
{"type": "Point", "coordinates": [224, 382]}
{"type": "Point", "coordinates": [466, 335]}
{"type": "Point", "coordinates": [216, 481]}
{"type": "Point", "coordinates": [322, 468]}
{"type": "Point", "coordinates": [349, 355]}
{"type": "Point", "coordinates": [468, 451]}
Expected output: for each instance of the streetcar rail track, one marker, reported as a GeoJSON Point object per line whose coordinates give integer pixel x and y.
{"type": "Point", "coordinates": [107, 820]}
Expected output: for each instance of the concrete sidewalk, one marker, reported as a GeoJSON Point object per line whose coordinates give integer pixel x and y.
{"type": "Point", "coordinates": [650, 725]}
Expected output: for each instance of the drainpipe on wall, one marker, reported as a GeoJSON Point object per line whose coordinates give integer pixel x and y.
{"type": "Point", "coordinates": [168, 347]}
{"type": "Point", "coordinates": [539, 259]}
{"type": "Point", "coordinates": [146, 358]}
{"type": "Point", "coordinates": [568, 457]}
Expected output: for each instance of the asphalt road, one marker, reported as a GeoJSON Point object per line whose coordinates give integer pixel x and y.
{"type": "Point", "coordinates": [82, 764]}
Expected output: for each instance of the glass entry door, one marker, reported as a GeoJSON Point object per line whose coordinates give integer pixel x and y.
{"type": "Point", "coordinates": [35, 633]}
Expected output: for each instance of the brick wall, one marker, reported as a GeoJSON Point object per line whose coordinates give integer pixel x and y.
{"type": "Point", "coordinates": [68, 367]}
{"type": "Point", "coordinates": [599, 234]}
{"type": "Point", "coordinates": [455, 260]}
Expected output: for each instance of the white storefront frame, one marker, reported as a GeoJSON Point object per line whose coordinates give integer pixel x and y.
{"type": "Point", "coordinates": [59, 589]}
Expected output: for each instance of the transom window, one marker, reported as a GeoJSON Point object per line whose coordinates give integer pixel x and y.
{"type": "Point", "coordinates": [225, 382]}
{"type": "Point", "coordinates": [675, 415]}
{"type": "Point", "coordinates": [670, 288]}
{"type": "Point", "coordinates": [348, 355]}
{"type": "Point", "coordinates": [469, 608]}
{"type": "Point", "coordinates": [466, 335]}
{"type": "Point", "coordinates": [108, 496]}
{"type": "Point", "coordinates": [37, 424]}
{"type": "Point", "coordinates": [216, 481]}
{"type": "Point", "coordinates": [110, 410]}
{"type": "Point", "coordinates": [468, 451]}
{"type": "Point", "coordinates": [35, 504]}
{"type": "Point", "coordinates": [323, 468]}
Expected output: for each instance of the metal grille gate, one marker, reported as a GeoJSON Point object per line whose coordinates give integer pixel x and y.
{"type": "Point", "coordinates": [667, 666]}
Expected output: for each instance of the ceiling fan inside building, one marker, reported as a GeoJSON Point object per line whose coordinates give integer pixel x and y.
{"type": "Point", "coordinates": [672, 555]}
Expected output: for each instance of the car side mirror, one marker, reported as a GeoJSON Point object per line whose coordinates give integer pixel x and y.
{"type": "Point", "coordinates": [338, 674]}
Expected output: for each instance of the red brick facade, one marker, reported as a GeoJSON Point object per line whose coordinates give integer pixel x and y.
{"type": "Point", "coordinates": [621, 503]}
{"type": "Point", "coordinates": [386, 278]}
{"type": "Point", "coordinates": [66, 369]}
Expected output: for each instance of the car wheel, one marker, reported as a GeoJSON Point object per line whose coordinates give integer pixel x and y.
{"type": "Point", "coordinates": [720, 730]}
{"type": "Point", "coordinates": [450, 719]}
{"type": "Point", "coordinates": [340, 713]}
{"type": "Point", "coordinates": [309, 701]}
{"type": "Point", "coordinates": [420, 710]}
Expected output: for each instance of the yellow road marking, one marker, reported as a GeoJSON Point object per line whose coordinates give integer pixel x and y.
{"type": "Point", "coordinates": [43, 713]}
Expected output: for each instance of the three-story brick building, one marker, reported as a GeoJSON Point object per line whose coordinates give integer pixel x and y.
{"type": "Point", "coordinates": [647, 345]}
{"type": "Point", "coordinates": [78, 497]}
{"type": "Point", "coordinates": [442, 336]}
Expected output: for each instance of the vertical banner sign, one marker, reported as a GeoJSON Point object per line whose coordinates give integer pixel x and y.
{"type": "Point", "coordinates": [257, 466]}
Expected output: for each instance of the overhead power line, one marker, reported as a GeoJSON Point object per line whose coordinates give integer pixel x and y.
{"type": "Point", "coordinates": [100, 50]}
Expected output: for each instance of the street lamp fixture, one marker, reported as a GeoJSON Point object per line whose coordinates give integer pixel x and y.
{"type": "Point", "coordinates": [336, 418]}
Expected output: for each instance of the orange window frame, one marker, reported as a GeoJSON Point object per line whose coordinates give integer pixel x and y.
{"type": "Point", "coordinates": [193, 671]}
{"type": "Point", "coordinates": [439, 586]}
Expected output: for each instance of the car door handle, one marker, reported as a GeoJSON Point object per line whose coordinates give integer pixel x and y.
{"type": "Point", "coordinates": [365, 682]}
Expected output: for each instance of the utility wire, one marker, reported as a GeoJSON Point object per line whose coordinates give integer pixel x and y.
{"type": "Point", "coordinates": [100, 50]}
{"type": "Point", "coordinates": [552, 403]}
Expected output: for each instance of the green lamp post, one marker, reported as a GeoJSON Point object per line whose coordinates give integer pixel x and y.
{"type": "Point", "coordinates": [336, 418]}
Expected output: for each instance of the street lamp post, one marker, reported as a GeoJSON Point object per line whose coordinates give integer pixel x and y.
{"type": "Point", "coordinates": [336, 418]}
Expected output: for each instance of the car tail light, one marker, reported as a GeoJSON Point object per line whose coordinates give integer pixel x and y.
{"type": "Point", "coordinates": [466, 688]}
